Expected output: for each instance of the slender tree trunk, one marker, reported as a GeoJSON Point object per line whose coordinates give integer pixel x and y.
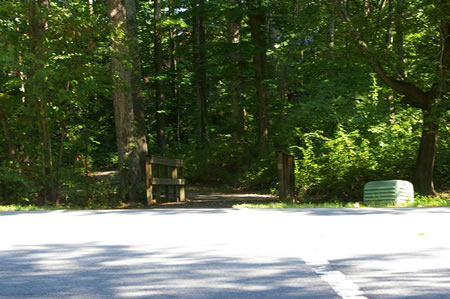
{"type": "Point", "coordinates": [331, 30]}
{"type": "Point", "coordinates": [389, 46]}
{"type": "Point", "coordinates": [127, 96]}
{"type": "Point", "coordinates": [38, 26]}
{"type": "Point", "coordinates": [258, 33]}
{"type": "Point", "coordinates": [234, 37]}
{"type": "Point", "coordinates": [160, 96]}
{"type": "Point", "coordinates": [390, 25]}
{"type": "Point", "coordinates": [60, 157]}
{"type": "Point", "coordinates": [399, 36]}
{"type": "Point", "coordinates": [366, 8]}
{"type": "Point", "coordinates": [91, 6]}
{"type": "Point", "coordinates": [173, 72]}
{"type": "Point", "coordinates": [86, 160]}
{"type": "Point", "coordinates": [11, 151]}
{"type": "Point", "coordinates": [199, 45]}
{"type": "Point", "coordinates": [46, 153]}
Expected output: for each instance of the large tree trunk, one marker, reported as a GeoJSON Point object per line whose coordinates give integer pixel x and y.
{"type": "Point", "coordinates": [160, 96]}
{"type": "Point", "coordinates": [423, 180]}
{"type": "Point", "coordinates": [199, 50]}
{"type": "Point", "coordinates": [127, 97]}
{"type": "Point", "coordinates": [234, 37]}
{"type": "Point", "coordinates": [258, 32]}
{"type": "Point", "coordinates": [137, 97]}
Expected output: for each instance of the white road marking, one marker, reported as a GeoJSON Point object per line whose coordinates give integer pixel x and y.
{"type": "Point", "coordinates": [343, 286]}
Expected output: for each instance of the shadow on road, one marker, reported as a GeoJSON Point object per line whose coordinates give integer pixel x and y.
{"type": "Point", "coordinates": [99, 271]}
{"type": "Point", "coordinates": [378, 274]}
{"type": "Point", "coordinates": [93, 271]}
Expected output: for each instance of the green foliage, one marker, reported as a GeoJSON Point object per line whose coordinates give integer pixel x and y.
{"type": "Point", "coordinates": [428, 201]}
{"type": "Point", "coordinates": [53, 84]}
{"type": "Point", "coordinates": [325, 105]}
{"type": "Point", "coordinates": [16, 188]}
{"type": "Point", "coordinates": [284, 205]}
{"type": "Point", "coordinates": [340, 163]}
{"type": "Point", "coordinates": [419, 201]}
{"type": "Point", "coordinates": [6, 208]}
{"type": "Point", "coordinates": [92, 191]}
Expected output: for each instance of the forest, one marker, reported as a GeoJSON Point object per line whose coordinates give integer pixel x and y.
{"type": "Point", "coordinates": [355, 90]}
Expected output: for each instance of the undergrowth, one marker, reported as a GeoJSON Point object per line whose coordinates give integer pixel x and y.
{"type": "Point", "coordinates": [419, 201]}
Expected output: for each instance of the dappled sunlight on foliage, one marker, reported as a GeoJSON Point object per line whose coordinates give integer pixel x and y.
{"type": "Point", "coordinates": [225, 86]}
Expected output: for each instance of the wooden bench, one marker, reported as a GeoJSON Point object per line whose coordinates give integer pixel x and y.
{"type": "Point", "coordinates": [166, 173]}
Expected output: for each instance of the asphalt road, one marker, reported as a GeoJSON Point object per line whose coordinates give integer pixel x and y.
{"type": "Point", "coordinates": [226, 253]}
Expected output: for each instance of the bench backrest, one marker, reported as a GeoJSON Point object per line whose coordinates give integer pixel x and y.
{"type": "Point", "coordinates": [162, 171]}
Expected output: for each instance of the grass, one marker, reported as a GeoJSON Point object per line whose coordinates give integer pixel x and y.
{"type": "Point", "coordinates": [443, 200]}
{"type": "Point", "coordinates": [419, 201]}
{"type": "Point", "coordinates": [6, 208]}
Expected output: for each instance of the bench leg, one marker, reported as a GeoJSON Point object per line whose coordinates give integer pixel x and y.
{"type": "Point", "coordinates": [150, 199]}
{"type": "Point", "coordinates": [182, 195]}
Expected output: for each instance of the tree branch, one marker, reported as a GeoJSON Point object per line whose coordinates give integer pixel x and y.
{"type": "Point", "coordinates": [414, 96]}
{"type": "Point", "coordinates": [441, 88]}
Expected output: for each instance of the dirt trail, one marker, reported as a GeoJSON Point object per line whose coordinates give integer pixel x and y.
{"type": "Point", "coordinates": [201, 199]}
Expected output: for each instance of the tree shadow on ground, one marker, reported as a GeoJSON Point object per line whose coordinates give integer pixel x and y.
{"type": "Point", "coordinates": [216, 200]}
{"type": "Point", "coordinates": [378, 275]}
{"type": "Point", "coordinates": [100, 271]}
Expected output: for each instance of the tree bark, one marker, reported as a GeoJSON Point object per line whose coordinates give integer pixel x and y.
{"type": "Point", "coordinates": [423, 179]}
{"type": "Point", "coordinates": [50, 191]}
{"type": "Point", "coordinates": [160, 96]}
{"type": "Point", "coordinates": [38, 26]}
{"type": "Point", "coordinates": [234, 38]}
{"type": "Point", "coordinates": [173, 72]}
{"type": "Point", "coordinates": [331, 31]}
{"type": "Point", "coordinates": [127, 97]}
{"type": "Point", "coordinates": [398, 38]}
{"type": "Point", "coordinates": [91, 6]}
{"type": "Point", "coordinates": [9, 144]}
{"type": "Point", "coordinates": [390, 26]}
{"type": "Point", "coordinates": [137, 97]}
{"type": "Point", "coordinates": [199, 50]}
{"type": "Point", "coordinates": [258, 33]}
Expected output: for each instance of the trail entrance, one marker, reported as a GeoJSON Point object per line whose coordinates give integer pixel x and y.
{"type": "Point", "coordinates": [206, 198]}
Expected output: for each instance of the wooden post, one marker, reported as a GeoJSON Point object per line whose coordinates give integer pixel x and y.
{"type": "Point", "coordinates": [157, 187]}
{"type": "Point", "coordinates": [182, 195]}
{"type": "Point", "coordinates": [166, 188]}
{"type": "Point", "coordinates": [291, 175]}
{"type": "Point", "coordinates": [148, 169]}
{"type": "Point", "coordinates": [175, 187]}
{"type": "Point", "coordinates": [286, 176]}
